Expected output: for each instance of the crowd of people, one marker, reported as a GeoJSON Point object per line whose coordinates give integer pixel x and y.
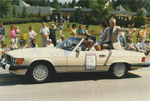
{"type": "Point", "coordinates": [111, 37]}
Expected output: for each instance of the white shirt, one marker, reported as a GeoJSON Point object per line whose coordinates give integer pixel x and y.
{"type": "Point", "coordinates": [50, 46]}
{"type": "Point", "coordinates": [44, 31]}
{"type": "Point", "coordinates": [32, 35]}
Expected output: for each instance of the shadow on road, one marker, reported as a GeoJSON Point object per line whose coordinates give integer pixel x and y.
{"type": "Point", "coordinates": [10, 80]}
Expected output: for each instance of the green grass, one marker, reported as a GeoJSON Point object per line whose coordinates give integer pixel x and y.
{"type": "Point", "coordinates": [94, 30]}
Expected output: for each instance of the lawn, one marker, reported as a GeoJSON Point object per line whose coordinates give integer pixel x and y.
{"type": "Point", "coordinates": [94, 30]}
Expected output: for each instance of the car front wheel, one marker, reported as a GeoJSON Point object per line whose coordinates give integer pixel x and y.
{"type": "Point", "coordinates": [119, 70]}
{"type": "Point", "coordinates": [40, 73]}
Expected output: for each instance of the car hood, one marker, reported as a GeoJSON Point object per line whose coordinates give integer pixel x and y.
{"type": "Point", "coordinates": [38, 52]}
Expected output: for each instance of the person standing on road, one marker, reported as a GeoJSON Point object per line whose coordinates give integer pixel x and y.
{"type": "Point", "coordinates": [52, 35]}
{"type": "Point", "coordinates": [44, 31]}
{"type": "Point", "coordinates": [2, 33]}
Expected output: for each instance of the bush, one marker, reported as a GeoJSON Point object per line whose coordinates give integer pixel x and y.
{"type": "Point", "coordinates": [13, 20]}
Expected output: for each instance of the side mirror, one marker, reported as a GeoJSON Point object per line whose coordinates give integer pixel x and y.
{"type": "Point", "coordinates": [78, 49]}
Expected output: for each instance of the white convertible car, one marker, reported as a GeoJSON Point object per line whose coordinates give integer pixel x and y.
{"type": "Point", "coordinates": [70, 56]}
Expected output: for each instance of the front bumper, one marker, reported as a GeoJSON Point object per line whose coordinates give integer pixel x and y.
{"type": "Point", "coordinates": [138, 66]}
{"type": "Point", "coordinates": [15, 69]}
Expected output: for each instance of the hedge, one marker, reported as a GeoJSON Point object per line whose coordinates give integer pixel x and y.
{"type": "Point", "coordinates": [20, 20]}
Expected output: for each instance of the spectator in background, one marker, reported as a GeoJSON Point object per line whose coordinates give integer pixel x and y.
{"type": "Point", "coordinates": [73, 30]}
{"type": "Point", "coordinates": [25, 44]}
{"type": "Point", "coordinates": [2, 33]}
{"type": "Point", "coordinates": [21, 41]}
{"type": "Point", "coordinates": [33, 44]}
{"type": "Point", "coordinates": [17, 34]}
{"type": "Point", "coordinates": [50, 44]}
{"type": "Point", "coordinates": [13, 36]}
{"type": "Point", "coordinates": [87, 31]}
{"type": "Point", "coordinates": [52, 35]}
{"type": "Point", "coordinates": [44, 31]}
{"type": "Point", "coordinates": [130, 45]}
{"type": "Point", "coordinates": [32, 35]}
{"type": "Point", "coordinates": [12, 45]}
{"type": "Point", "coordinates": [147, 46]}
{"type": "Point", "coordinates": [62, 38]}
{"type": "Point", "coordinates": [60, 29]}
{"type": "Point", "coordinates": [138, 45]}
{"type": "Point", "coordinates": [81, 32]}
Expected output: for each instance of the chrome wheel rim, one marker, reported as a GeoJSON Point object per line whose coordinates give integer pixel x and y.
{"type": "Point", "coordinates": [119, 69]}
{"type": "Point", "coordinates": [40, 72]}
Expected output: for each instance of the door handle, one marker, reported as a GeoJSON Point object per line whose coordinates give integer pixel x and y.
{"type": "Point", "coordinates": [102, 56]}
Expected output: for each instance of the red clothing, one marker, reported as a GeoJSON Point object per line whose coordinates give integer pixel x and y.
{"type": "Point", "coordinates": [12, 34]}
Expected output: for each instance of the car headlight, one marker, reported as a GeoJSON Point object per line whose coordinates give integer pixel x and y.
{"type": "Point", "coordinates": [18, 60]}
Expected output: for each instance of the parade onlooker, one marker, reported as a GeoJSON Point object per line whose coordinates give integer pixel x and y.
{"type": "Point", "coordinates": [138, 45]}
{"type": "Point", "coordinates": [21, 41]}
{"type": "Point", "coordinates": [73, 30]}
{"type": "Point", "coordinates": [45, 34]}
{"type": "Point", "coordinates": [13, 36]}
{"type": "Point", "coordinates": [62, 38]}
{"type": "Point", "coordinates": [2, 33]}
{"type": "Point", "coordinates": [50, 44]}
{"type": "Point", "coordinates": [12, 45]}
{"type": "Point", "coordinates": [17, 35]}
{"type": "Point", "coordinates": [33, 44]}
{"type": "Point", "coordinates": [52, 35]}
{"type": "Point", "coordinates": [32, 35]}
{"type": "Point", "coordinates": [147, 46]}
{"type": "Point", "coordinates": [130, 45]}
{"type": "Point", "coordinates": [81, 32]}
{"type": "Point", "coordinates": [60, 29]}
{"type": "Point", "coordinates": [25, 44]}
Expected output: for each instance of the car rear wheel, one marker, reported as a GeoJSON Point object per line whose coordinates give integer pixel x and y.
{"type": "Point", "coordinates": [119, 70]}
{"type": "Point", "coordinates": [40, 73]}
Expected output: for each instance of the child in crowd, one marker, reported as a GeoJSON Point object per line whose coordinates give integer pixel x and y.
{"type": "Point", "coordinates": [17, 34]}
{"type": "Point", "coordinates": [130, 45]}
{"type": "Point", "coordinates": [60, 29]}
{"type": "Point", "coordinates": [33, 44]}
{"type": "Point", "coordinates": [32, 35]}
{"type": "Point", "coordinates": [49, 44]}
{"type": "Point", "coordinates": [147, 46]}
{"type": "Point", "coordinates": [13, 35]}
{"type": "Point", "coordinates": [21, 41]}
{"type": "Point", "coordinates": [25, 44]}
{"type": "Point", "coordinates": [12, 45]}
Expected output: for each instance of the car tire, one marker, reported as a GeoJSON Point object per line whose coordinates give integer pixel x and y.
{"type": "Point", "coordinates": [40, 72]}
{"type": "Point", "coordinates": [118, 70]}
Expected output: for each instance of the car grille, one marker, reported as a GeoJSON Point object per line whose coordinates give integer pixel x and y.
{"type": "Point", "coordinates": [8, 59]}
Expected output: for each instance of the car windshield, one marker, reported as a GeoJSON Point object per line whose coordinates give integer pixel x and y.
{"type": "Point", "coordinates": [69, 44]}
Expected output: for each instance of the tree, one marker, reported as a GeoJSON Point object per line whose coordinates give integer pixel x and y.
{"type": "Point", "coordinates": [14, 11]}
{"type": "Point", "coordinates": [56, 5]}
{"type": "Point", "coordinates": [139, 19]}
{"type": "Point", "coordinates": [24, 13]}
{"type": "Point", "coordinates": [84, 3]}
{"type": "Point", "coordinates": [39, 13]}
{"type": "Point", "coordinates": [99, 11]}
{"type": "Point", "coordinates": [73, 4]}
{"type": "Point", "coordinates": [4, 7]}
{"type": "Point", "coordinates": [78, 15]}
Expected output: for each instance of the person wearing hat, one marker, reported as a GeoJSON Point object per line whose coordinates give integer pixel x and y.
{"type": "Point", "coordinates": [49, 43]}
{"type": "Point", "coordinates": [52, 35]}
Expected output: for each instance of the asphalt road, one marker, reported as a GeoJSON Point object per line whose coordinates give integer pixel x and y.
{"type": "Point", "coordinates": [77, 87]}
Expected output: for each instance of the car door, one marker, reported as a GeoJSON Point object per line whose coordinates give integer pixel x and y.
{"type": "Point", "coordinates": [76, 61]}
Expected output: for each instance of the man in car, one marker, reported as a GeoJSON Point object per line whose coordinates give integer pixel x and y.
{"type": "Point", "coordinates": [112, 34]}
